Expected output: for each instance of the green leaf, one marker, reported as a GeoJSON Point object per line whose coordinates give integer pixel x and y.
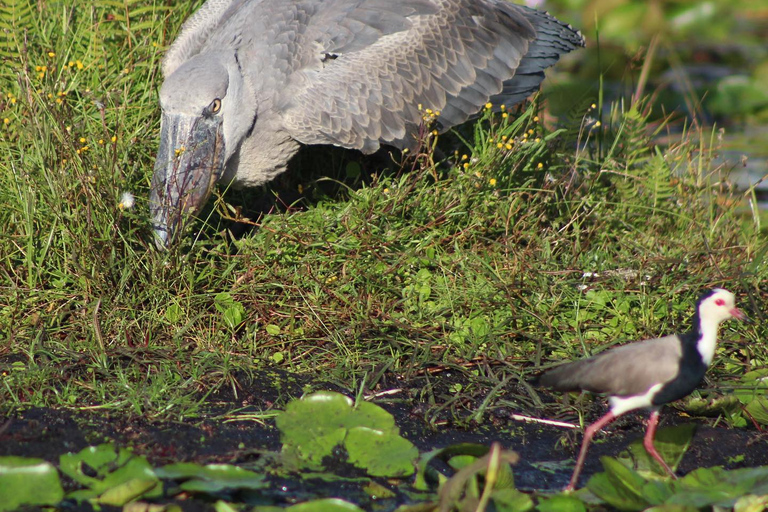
{"type": "Point", "coordinates": [753, 393]}
{"type": "Point", "coordinates": [561, 503]}
{"type": "Point", "coordinates": [312, 427]}
{"type": "Point", "coordinates": [512, 500]}
{"type": "Point", "coordinates": [27, 481]}
{"type": "Point", "coordinates": [119, 474]}
{"type": "Point", "coordinates": [325, 505]}
{"type": "Point", "coordinates": [97, 458]}
{"type": "Point", "coordinates": [670, 442]}
{"type": "Point", "coordinates": [127, 491]}
{"type": "Point", "coordinates": [234, 315]}
{"type": "Point", "coordinates": [751, 503]}
{"type": "Point", "coordinates": [211, 478]}
{"type": "Point", "coordinates": [618, 486]}
{"type": "Point", "coordinates": [381, 453]}
{"type": "Point", "coordinates": [174, 313]}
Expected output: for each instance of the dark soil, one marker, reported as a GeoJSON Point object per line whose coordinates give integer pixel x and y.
{"type": "Point", "coordinates": [48, 433]}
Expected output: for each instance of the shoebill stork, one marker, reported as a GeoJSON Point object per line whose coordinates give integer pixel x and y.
{"type": "Point", "coordinates": [248, 81]}
{"type": "Point", "coordinates": [647, 374]}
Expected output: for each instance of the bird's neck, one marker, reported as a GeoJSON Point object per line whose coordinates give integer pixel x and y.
{"type": "Point", "coordinates": [704, 335]}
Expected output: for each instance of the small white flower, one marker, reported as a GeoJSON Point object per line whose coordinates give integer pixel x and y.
{"type": "Point", "coordinates": [126, 201]}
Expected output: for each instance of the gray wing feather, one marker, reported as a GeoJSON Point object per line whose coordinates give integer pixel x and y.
{"type": "Point", "coordinates": [448, 55]}
{"type": "Point", "coordinates": [622, 371]}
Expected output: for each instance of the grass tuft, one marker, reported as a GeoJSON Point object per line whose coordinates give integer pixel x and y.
{"type": "Point", "coordinates": [526, 245]}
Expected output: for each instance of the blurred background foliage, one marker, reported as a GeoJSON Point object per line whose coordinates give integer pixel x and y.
{"type": "Point", "coordinates": [706, 58]}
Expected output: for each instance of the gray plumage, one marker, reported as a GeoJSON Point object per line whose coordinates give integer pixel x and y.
{"type": "Point", "coordinates": [351, 73]}
{"type": "Point", "coordinates": [622, 371]}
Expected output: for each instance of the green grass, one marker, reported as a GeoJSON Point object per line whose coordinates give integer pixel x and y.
{"type": "Point", "coordinates": [477, 259]}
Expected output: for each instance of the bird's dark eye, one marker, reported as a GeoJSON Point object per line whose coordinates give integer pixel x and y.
{"type": "Point", "coordinates": [215, 106]}
{"type": "Point", "coordinates": [720, 302]}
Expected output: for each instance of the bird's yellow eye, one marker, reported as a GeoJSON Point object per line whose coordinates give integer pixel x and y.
{"type": "Point", "coordinates": [215, 105]}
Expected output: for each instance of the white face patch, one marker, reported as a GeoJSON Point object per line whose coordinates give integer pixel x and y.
{"type": "Point", "coordinates": [714, 310]}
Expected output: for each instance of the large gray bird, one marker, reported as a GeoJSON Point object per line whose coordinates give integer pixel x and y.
{"type": "Point", "coordinates": [248, 81]}
{"type": "Point", "coordinates": [647, 374]}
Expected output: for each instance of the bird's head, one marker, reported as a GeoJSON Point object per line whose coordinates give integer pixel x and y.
{"type": "Point", "coordinates": [200, 130]}
{"type": "Point", "coordinates": [719, 305]}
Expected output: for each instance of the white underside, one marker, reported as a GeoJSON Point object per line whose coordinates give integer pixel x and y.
{"type": "Point", "coordinates": [621, 405]}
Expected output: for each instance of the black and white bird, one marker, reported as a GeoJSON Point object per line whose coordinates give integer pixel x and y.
{"type": "Point", "coordinates": [249, 81]}
{"type": "Point", "coordinates": [647, 374]}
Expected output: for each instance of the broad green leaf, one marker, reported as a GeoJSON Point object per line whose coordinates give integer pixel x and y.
{"type": "Point", "coordinates": [233, 316]}
{"type": "Point", "coordinates": [512, 500]}
{"type": "Point", "coordinates": [381, 453]}
{"type": "Point", "coordinates": [96, 458]}
{"type": "Point", "coordinates": [211, 478]}
{"type": "Point", "coordinates": [27, 481]}
{"type": "Point", "coordinates": [618, 486]}
{"type": "Point", "coordinates": [670, 442]}
{"type": "Point", "coordinates": [561, 503]}
{"type": "Point", "coordinates": [753, 393]}
{"type": "Point", "coordinates": [127, 491]}
{"type": "Point", "coordinates": [313, 426]}
{"type": "Point", "coordinates": [174, 313]}
{"type": "Point", "coordinates": [325, 505]}
{"type": "Point", "coordinates": [751, 503]}
{"type": "Point", "coordinates": [672, 508]}
{"type": "Point", "coordinates": [120, 474]}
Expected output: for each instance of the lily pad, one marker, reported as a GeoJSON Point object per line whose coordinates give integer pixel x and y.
{"type": "Point", "coordinates": [26, 481]}
{"type": "Point", "coordinates": [561, 503]}
{"type": "Point", "coordinates": [670, 442]}
{"type": "Point", "coordinates": [211, 478]}
{"type": "Point", "coordinates": [325, 505]}
{"type": "Point", "coordinates": [120, 476]}
{"type": "Point", "coordinates": [312, 427]}
{"type": "Point", "coordinates": [366, 447]}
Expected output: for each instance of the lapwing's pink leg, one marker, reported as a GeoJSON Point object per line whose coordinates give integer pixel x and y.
{"type": "Point", "coordinates": [588, 435]}
{"type": "Point", "coordinates": [650, 433]}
